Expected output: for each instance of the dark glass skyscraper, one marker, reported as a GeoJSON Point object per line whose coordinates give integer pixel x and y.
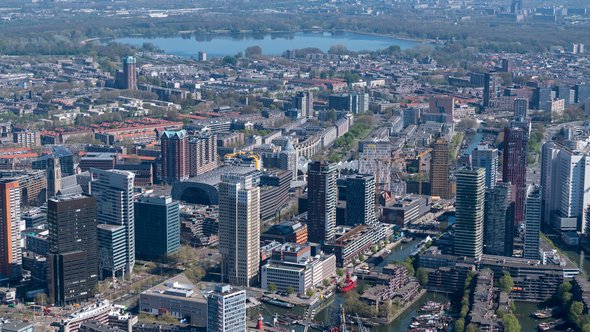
{"type": "Point", "coordinates": [157, 227]}
{"type": "Point", "coordinates": [360, 200]}
{"type": "Point", "coordinates": [498, 220]}
{"type": "Point", "coordinates": [322, 198]}
{"type": "Point", "coordinates": [533, 223]}
{"type": "Point", "coordinates": [72, 263]}
{"type": "Point", "coordinates": [514, 166]}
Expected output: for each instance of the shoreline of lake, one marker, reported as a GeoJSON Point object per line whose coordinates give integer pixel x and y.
{"type": "Point", "coordinates": [219, 44]}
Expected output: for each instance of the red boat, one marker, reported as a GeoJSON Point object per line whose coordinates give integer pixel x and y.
{"type": "Point", "coordinates": [349, 283]}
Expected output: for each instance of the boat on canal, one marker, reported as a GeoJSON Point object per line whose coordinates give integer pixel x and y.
{"type": "Point", "coordinates": [431, 318]}
{"type": "Point", "coordinates": [551, 325]}
{"type": "Point", "coordinates": [545, 313]}
{"type": "Point", "coordinates": [349, 283]}
{"type": "Point", "coordinates": [277, 302]}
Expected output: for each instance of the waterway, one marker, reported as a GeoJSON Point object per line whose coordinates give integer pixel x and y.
{"type": "Point", "coordinates": [329, 313]}
{"type": "Point", "coordinates": [578, 257]}
{"type": "Point", "coordinates": [219, 45]}
{"type": "Point", "coordinates": [475, 141]}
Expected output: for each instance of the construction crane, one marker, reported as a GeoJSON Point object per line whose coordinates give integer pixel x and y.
{"type": "Point", "coordinates": [244, 155]}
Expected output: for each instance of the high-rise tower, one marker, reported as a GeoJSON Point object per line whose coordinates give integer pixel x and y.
{"type": "Point", "coordinates": [10, 250]}
{"type": "Point", "coordinates": [113, 190]}
{"type": "Point", "coordinates": [175, 161]}
{"type": "Point", "coordinates": [129, 73]}
{"type": "Point", "coordinates": [469, 212]}
{"type": "Point", "coordinates": [73, 251]}
{"type": "Point", "coordinates": [498, 220]}
{"type": "Point", "coordinates": [533, 223]}
{"type": "Point", "coordinates": [486, 157]}
{"type": "Point", "coordinates": [157, 227]}
{"type": "Point", "coordinates": [514, 166]}
{"type": "Point", "coordinates": [239, 228]}
{"type": "Point", "coordinates": [565, 179]}
{"type": "Point", "coordinates": [53, 176]}
{"type": "Point", "coordinates": [322, 198]}
{"type": "Point", "coordinates": [360, 200]}
{"type": "Point", "coordinates": [439, 169]}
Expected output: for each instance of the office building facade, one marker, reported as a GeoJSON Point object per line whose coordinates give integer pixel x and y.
{"type": "Point", "coordinates": [565, 179]}
{"type": "Point", "coordinates": [292, 266]}
{"type": "Point", "coordinates": [72, 263]}
{"type": "Point", "coordinates": [439, 169]}
{"type": "Point", "coordinates": [157, 227]}
{"type": "Point", "coordinates": [514, 166]}
{"type": "Point", "coordinates": [322, 198]}
{"type": "Point", "coordinates": [113, 190]}
{"type": "Point", "coordinates": [10, 249]}
{"type": "Point", "coordinates": [498, 220]}
{"type": "Point", "coordinates": [202, 154]}
{"type": "Point", "coordinates": [469, 214]}
{"type": "Point", "coordinates": [532, 223]}
{"type": "Point", "coordinates": [486, 157]}
{"type": "Point", "coordinates": [521, 106]}
{"type": "Point", "coordinates": [53, 176]}
{"type": "Point", "coordinates": [226, 310]}
{"type": "Point", "coordinates": [239, 228]}
{"type": "Point", "coordinates": [360, 200]}
{"type": "Point", "coordinates": [175, 161]}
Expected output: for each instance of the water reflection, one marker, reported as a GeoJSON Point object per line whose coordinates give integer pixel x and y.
{"type": "Point", "coordinates": [219, 45]}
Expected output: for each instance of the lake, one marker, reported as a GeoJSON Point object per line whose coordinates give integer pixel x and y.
{"type": "Point", "coordinates": [219, 45]}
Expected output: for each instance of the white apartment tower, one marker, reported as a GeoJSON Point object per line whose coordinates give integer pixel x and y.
{"type": "Point", "coordinates": [239, 228]}
{"type": "Point", "coordinates": [565, 182]}
{"type": "Point", "coordinates": [113, 190]}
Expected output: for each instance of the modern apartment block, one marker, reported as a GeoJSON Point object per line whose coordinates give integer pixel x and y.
{"type": "Point", "coordinates": [175, 159]}
{"type": "Point", "coordinates": [469, 212]}
{"type": "Point", "coordinates": [10, 249]}
{"type": "Point", "coordinates": [532, 223]}
{"type": "Point", "coordinates": [360, 200]}
{"type": "Point", "coordinates": [439, 169]}
{"type": "Point", "coordinates": [239, 228]}
{"type": "Point", "coordinates": [486, 157]}
{"type": "Point", "coordinates": [202, 154]}
{"type": "Point", "coordinates": [226, 310]}
{"type": "Point", "coordinates": [113, 190]}
{"type": "Point", "coordinates": [322, 199]}
{"type": "Point", "coordinates": [498, 220]}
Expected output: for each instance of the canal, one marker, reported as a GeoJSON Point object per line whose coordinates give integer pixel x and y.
{"type": "Point", "coordinates": [475, 141]}
{"type": "Point", "coordinates": [328, 314]}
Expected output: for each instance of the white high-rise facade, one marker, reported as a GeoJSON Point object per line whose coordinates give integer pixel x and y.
{"type": "Point", "coordinates": [487, 157]}
{"type": "Point", "coordinates": [226, 310]}
{"type": "Point", "coordinates": [239, 228]}
{"type": "Point", "coordinates": [113, 190]}
{"type": "Point", "coordinates": [565, 181]}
